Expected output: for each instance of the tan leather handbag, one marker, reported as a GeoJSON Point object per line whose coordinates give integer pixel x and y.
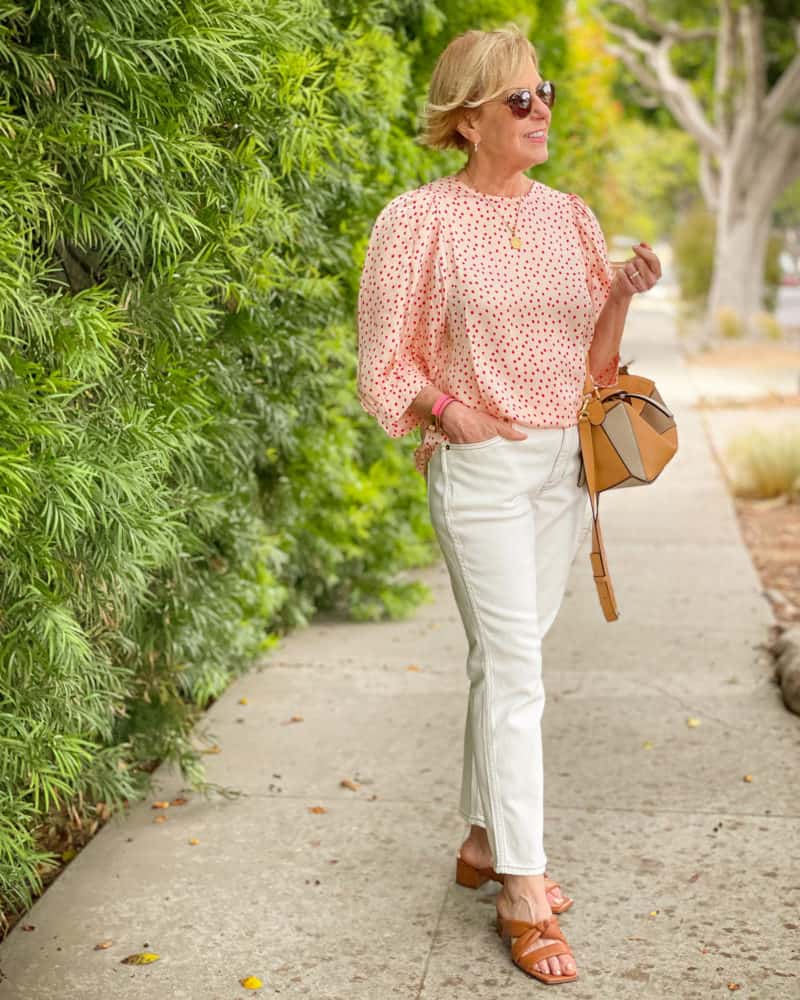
{"type": "Point", "coordinates": [627, 436]}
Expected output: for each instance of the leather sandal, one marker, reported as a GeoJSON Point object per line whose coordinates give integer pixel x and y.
{"type": "Point", "coordinates": [523, 935]}
{"type": "Point", "coordinates": [471, 877]}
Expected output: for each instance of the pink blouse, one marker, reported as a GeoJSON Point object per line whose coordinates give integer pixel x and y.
{"type": "Point", "coordinates": [445, 300]}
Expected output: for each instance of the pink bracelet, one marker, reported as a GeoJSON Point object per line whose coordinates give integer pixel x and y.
{"type": "Point", "coordinates": [440, 403]}
{"type": "Point", "coordinates": [439, 407]}
{"type": "Point", "coordinates": [452, 399]}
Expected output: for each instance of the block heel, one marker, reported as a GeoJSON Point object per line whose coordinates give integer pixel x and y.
{"type": "Point", "coordinates": [473, 878]}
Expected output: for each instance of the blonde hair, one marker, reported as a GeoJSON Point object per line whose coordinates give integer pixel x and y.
{"type": "Point", "coordinates": [475, 67]}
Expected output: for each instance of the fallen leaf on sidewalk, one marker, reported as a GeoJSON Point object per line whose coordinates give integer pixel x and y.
{"type": "Point", "coordinates": [215, 749]}
{"type": "Point", "coordinates": [647, 745]}
{"type": "Point", "coordinates": [251, 983]}
{"type": "Point", "coordinates": [734, 986]}
{"type": "Point", "coordinates": [194, 841]}
{"type": "Point", "coordinates": [160, 805]}
{"type": "Point", "coordinates": [349, 783]}
{"type": "Point", "coordinates": [159, 819]}
{"type": "Point", "coordinates": [747, 777]}
{"type": "Point", "coordinates": [179, 800]}
{"type": "Point", "coordinates": [317, 809]}
{"type": "Point", "coordinates": [103, 944]}
{"type": "Point", "coordinates": [294, 718]}
{"type": "Point", "coordinates": [692, 723]}
{"type": "Point", "coordinates": [140, 958]}
{"type": "Point", "coordinates": [243, 701]}
{"type": "Point", "coordinates": [413, 666]}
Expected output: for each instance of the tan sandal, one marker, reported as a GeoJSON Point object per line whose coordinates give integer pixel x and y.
{"type": "Point", "coordinates": [471, 877]}
{"type": "Point", "coordinates": [522, 935]}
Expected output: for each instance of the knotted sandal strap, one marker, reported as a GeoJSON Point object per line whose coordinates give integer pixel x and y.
{"type": "Point", "coordinates": [524, 952]}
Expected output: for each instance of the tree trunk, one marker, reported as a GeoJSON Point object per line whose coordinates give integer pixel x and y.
{"type": "Point", "coordinates": [743, 227]}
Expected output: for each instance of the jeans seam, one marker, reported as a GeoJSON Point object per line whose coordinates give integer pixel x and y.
{"type": "Point", "coordinates": [489, 673]}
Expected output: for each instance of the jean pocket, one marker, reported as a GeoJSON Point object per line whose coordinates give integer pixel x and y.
{"type": "Point", "coordinates": [467, 445]}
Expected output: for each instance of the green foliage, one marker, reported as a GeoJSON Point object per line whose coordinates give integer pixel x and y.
{"type": "Point", "coordinates": [693, 252]}
{"type": "Point", "coordinates": [185, 471]}
{"type": "Point", "coordinates": [654, 170]}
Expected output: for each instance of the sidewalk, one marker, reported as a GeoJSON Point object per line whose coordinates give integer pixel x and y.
{"type": "Point", "coordinates": [686, 877]}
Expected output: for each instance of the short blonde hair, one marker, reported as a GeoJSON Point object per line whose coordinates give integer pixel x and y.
{"type": "Point", "coordinates": [475, 67]}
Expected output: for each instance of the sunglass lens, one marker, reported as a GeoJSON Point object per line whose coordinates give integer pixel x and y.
{"type": "Point", "coordinates": [546, 92]}
{"type": "Point", "coordinates": [520, 103]}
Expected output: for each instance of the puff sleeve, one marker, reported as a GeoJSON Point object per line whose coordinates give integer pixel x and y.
{"type": "Point", "coordinates": [400, 310]}
{"type": "Point", "coordinates": [599, 274]}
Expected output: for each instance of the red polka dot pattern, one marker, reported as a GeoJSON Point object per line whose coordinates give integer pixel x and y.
{"type": "Point", "coordinates": [444, 299]}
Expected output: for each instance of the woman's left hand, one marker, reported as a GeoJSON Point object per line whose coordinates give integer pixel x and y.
{"type": "Point", "coordinates": [627, 280]}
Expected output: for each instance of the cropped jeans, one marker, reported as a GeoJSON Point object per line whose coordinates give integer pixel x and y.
{"type": "Point", "coordinates": [510, 518]}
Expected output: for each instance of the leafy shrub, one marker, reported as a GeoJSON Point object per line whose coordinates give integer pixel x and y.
{"type": "Point", "coordinates": [693, 252]}
{"type": "Point", "coordinates": [185, 470]}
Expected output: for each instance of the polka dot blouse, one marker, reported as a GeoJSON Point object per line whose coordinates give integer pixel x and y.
{"type": "Point", "coordinates": [445, 300]}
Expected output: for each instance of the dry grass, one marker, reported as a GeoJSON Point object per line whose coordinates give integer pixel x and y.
{"type": "Point", "coordinates": [765, 464]}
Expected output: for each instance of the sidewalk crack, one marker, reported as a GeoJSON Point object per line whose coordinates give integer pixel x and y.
{"type": "Point", "coordinates": [434, 935]}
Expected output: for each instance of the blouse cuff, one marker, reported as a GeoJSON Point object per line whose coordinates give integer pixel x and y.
{"type": "Point", "coordinates": [392, 412]}
{"type": "Point", "coordinates": [609, 375]}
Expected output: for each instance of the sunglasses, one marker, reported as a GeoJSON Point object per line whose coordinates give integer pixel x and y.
{"type": "Point", "coordinates": [521, 101]}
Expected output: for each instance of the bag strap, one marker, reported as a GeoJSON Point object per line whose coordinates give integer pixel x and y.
{"type": "Point", "coordinates": [597, 557]}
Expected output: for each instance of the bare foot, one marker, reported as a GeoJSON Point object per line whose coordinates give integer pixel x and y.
{"type": "Point", "coordinates": [476, 852]}
{"type": "Point", "coordinates": [523, 898]}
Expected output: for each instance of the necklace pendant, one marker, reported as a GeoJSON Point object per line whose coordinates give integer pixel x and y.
{"type": "Point", "coordinates": [516, 242]}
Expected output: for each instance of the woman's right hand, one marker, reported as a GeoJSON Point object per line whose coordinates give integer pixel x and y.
{"type": "Point", "coordinates": [464, 425]}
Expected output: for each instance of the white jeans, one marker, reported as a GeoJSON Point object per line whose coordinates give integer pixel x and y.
{"type": "Point", "coordinates": [510, 518]}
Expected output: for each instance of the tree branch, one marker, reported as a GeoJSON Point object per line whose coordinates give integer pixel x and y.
{"type": "Point", "coordinates": [709, 182]}
{"type": "Point", "coordinates": [746, 140]}
{"type": "Point", "coordinates": [726, 57]}
{"type": "Point", "coordinates": [682, 102]}
{"type": "Point", "coordinates": [771, 174]}
{"type": "Point", "coordinates": [751, 27]}
{"type": "Point", "coordinates": [785, 92]}
{"type": "Point", "coordinates": [666, 29]}
{"type": "Point", "coordinates": [659, 76]}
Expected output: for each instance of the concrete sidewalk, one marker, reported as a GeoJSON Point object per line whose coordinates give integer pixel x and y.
{"type": "Point", "coordinates": [686, 877]}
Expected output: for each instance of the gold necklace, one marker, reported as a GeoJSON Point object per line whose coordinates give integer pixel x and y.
{"type": "Point", "coordinates": [516, 241]}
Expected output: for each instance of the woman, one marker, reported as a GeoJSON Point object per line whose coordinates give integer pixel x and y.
{"type": "Point", "coordinates": [480, 295]}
